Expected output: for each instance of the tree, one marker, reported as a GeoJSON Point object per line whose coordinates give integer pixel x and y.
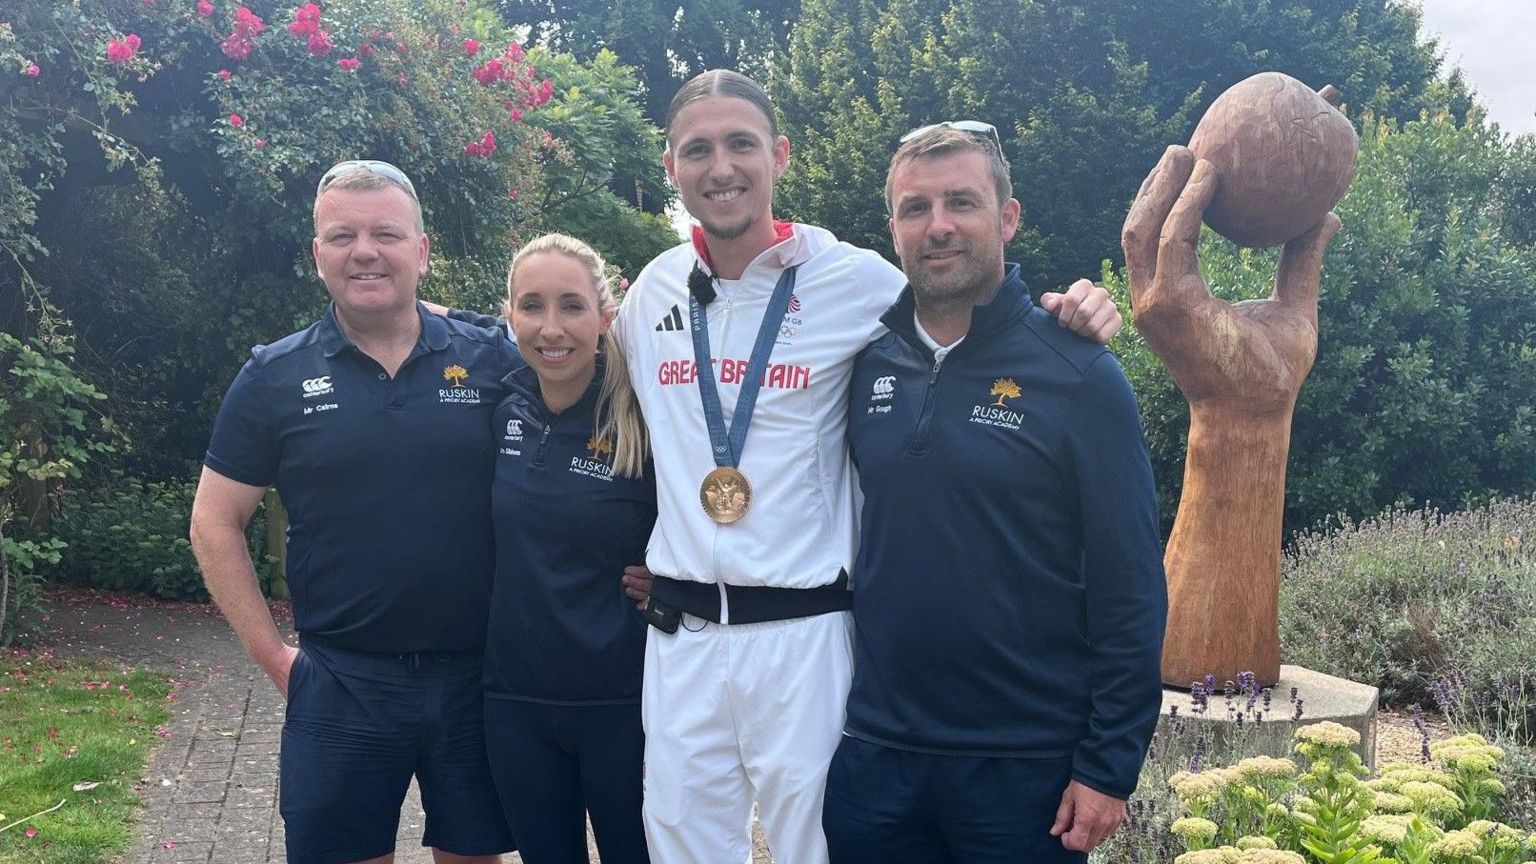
{"type": "Point", "coordinates": [1423, 387]}
{"type": "Point", "coordinates": [162, 181]}
{"type": "Point", "coordinates": [667, 41]}
{"type": "Point", "coordinates": [1085, 93]}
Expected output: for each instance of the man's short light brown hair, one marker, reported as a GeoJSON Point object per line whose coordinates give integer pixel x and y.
{"type": "Point", "coordinates": [941, 140]}
{"type": "Point", "coordinates": [363, 180]}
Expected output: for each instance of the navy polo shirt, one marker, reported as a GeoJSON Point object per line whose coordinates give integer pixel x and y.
{"type": "Point", "coordinates": [385, 480]}
{"type": "Point", "coordinates": [561, 630]}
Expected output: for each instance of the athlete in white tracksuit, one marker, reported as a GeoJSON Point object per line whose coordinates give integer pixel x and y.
{"type": "Point", "coordinates": [740, 711]}
{"type": "Point", "coordinates": [737, 712]}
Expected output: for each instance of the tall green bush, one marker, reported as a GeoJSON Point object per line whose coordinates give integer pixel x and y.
{"type": "Point", "coordinates": [163, 181]}
{"type": "Point", "coordinates": [129, 535]}
{"type": "Point", "coordinates": [47, 436]}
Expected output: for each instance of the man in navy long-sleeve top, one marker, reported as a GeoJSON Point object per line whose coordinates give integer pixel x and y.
{"type": "Point", "coordinates": [1009, 591]}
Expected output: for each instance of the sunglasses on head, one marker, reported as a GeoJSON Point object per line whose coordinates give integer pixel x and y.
{"type": "Point", "coordinates": [973, 127]}
{"type": "Point", "coordinates": [372, 166]}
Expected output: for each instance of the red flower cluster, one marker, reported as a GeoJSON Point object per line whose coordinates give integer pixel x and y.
{"type": "Point", "coordinates": [204, 8]}
{"type": "Point", "coordinates": [471, 47]}
{"type": "Point", "coordinates": [33, 70]}
{"type": "Point", "coordinates": [484, 147]}
{"type": "Point", "coordinates": [502, 68]}
{"type": "Point", "coordinates": [225, 75]}
{"type": "Point", "coordinates": [121, 51]}
{"type": "Point", "coordinates": [306, 25]}
{"type": "Point", "coordinates": [350, 64]}
{"type": "Point", "coordinates": [247, 27]}
{"type": "Point", "coordinates": [237, 121]}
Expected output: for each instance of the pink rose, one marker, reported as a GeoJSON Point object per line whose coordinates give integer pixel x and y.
{"type": "Point", "coordinates": [225, 75]}
{"type": "Point", "coordinates": [471, 47]}
{"type": "Point", "coordinates": [349, 63]}
{"type": "Point", "coordinates": [237, 121]}
{"type": "Point", "coordinates": [320, 43]}
{"type": "Point", "coordinates": [517, 115]}
{"type": "Point", "coordinates": [33, 70]}
{"type": "Point", "coordinates": [120, 52]}
{"type": "Point", "coordinates": [204, 8]}
{"type": "Point", "coordinates": [261, 143]}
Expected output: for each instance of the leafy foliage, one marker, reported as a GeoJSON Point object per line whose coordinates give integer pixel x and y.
{"type": "Point", "coordinates": [130, 535]}
{"type": "Point", "coordinates": [1086, 93]}
{"type": "Point", "coordinates": [227, 119]}
{"type": "Point", "coordinates": [1423, 386]}
{"type": "Point", "coordinates": [1426, 607]}
{"type": "Point", "coordinates": [46, 438]}
{"type": "Point", "coordinates": [667, 41]}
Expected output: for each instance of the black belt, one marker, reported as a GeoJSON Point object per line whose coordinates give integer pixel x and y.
{"type": "Point", "coordinates": [752, 604]}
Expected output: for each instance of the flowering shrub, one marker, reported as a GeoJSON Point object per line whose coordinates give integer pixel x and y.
{"type": "Point", "coordinates": [1426, 606]}
{"type": "Point", "coordinates": [1264, 809]}
{"type": "Point", "coordinates": [182, 167]}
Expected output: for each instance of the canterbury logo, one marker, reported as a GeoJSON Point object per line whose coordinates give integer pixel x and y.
{"type": "Point", "coordinates": [884, 388]}
{"type": "Point", "coordinates": [317, 386]}
{"type": "Point", "coordinates": [672, 320]}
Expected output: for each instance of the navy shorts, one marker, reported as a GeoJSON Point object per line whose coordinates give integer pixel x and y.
{"type": "Point", "coordinates": [889, 806]}
{"type": "Point", "coordinates": [558, 764]}
{"type": "Point", "coordinates": [358, 727]}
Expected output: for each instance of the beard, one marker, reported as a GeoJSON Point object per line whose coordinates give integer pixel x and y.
{"type": "Point", "coordinates": [728, 231]}
{"type": "Point", "coordinates": [966, 284]}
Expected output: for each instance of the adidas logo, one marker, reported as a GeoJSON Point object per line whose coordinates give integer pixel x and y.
{"type": "Point", "coordinates": [672, 320]}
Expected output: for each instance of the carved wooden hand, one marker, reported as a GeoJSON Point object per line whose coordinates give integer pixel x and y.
{"type": "Point", "coordinates": [1240, 366]}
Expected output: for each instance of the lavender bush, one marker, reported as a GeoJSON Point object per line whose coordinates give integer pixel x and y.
{"type": "Point", "coordinates": [1430, 607]}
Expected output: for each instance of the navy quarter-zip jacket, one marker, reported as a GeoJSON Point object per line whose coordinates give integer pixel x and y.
{"type": "Point", "coordinates": [561, 630]}
{"type": "Point", "coordinates": [1009, 590]}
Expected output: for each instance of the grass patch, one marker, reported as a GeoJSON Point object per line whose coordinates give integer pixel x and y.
{"type": "Point", "coordinates": [64, 725]}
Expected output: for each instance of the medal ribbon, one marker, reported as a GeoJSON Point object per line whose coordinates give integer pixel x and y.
{"type": "Point", "coordinates": [725, 446]}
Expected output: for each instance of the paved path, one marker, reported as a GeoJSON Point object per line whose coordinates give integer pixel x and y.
{"type": "Point", "coordinates": [210, 790]}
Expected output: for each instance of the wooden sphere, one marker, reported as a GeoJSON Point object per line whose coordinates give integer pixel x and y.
{"type": "Point", "coordinates": [1285, 157]}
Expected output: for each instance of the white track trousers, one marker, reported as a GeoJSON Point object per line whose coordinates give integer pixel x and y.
{"type": "Point", "coordinates": [740, 712]}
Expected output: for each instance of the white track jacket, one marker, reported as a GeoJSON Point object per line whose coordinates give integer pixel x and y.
{"type": "Point", "coordinates": [801, 529]}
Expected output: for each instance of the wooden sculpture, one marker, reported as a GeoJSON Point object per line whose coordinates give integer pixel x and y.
{"type": "Point", "coordinates": [1254, 160]}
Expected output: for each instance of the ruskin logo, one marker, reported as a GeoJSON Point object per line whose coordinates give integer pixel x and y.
{"type": "Point", "coordinates": [998, 413]}
{"type": "Point", "coordinates": [456, 374]}
{"type": "Point", "coordinates": [599, 447]}
{"type": "Point", "coordinates": [1004, 388]}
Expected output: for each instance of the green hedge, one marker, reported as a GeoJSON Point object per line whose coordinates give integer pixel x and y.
{"type": "Point", "coordinates": [131, 535]}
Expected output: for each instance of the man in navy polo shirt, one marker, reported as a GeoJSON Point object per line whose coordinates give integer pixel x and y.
{"type": "Point", "coordinates": [373, 423]}
{"type": "Point", "coordinates": [1009, 597]}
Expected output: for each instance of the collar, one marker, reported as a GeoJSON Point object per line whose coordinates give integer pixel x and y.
{"type": "Point", "coordinates": [524, 383]}
{"type": "Point", "coordinates": [1010, 304]}
{"type": "Point", "coordinates": [435, 333]}
{"type": "Point", "coordinates": [789, 248]}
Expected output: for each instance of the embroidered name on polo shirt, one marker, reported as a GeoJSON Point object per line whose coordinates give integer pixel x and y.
{"type": "Point", "coordinates": [596, 465]}
{"type": "Point", "coordinates": [998, 413]}
{"type": "Point", "coordinates": [458, 393]}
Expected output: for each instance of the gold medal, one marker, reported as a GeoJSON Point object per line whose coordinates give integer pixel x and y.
{"type": "Point", "coordinates": [725, 495]}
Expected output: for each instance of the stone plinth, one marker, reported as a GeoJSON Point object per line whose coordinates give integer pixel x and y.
{"type": "Point", "coordinates": [1322, 697]}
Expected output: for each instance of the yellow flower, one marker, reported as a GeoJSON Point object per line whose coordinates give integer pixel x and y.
{"type": "Point", "coordinates": [1260, 842]}
{"type": "Point", "coordinates": [1256, 767]}
{"type": "Point", "coordinates": [1385, 829]}
{"type": "Point", "coordinates": [1329, 734]}
{"type": "Point", "coordinates": [1193, 829]}
{"type": "Point", "coordinates": [1271, 856]}
{"type": "Point", "coordinates": [1222, 855]}
{"type": "Point", "coordinates": [1430, 798]}
{"type": "Point", "coordinates": [1456, 843]}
